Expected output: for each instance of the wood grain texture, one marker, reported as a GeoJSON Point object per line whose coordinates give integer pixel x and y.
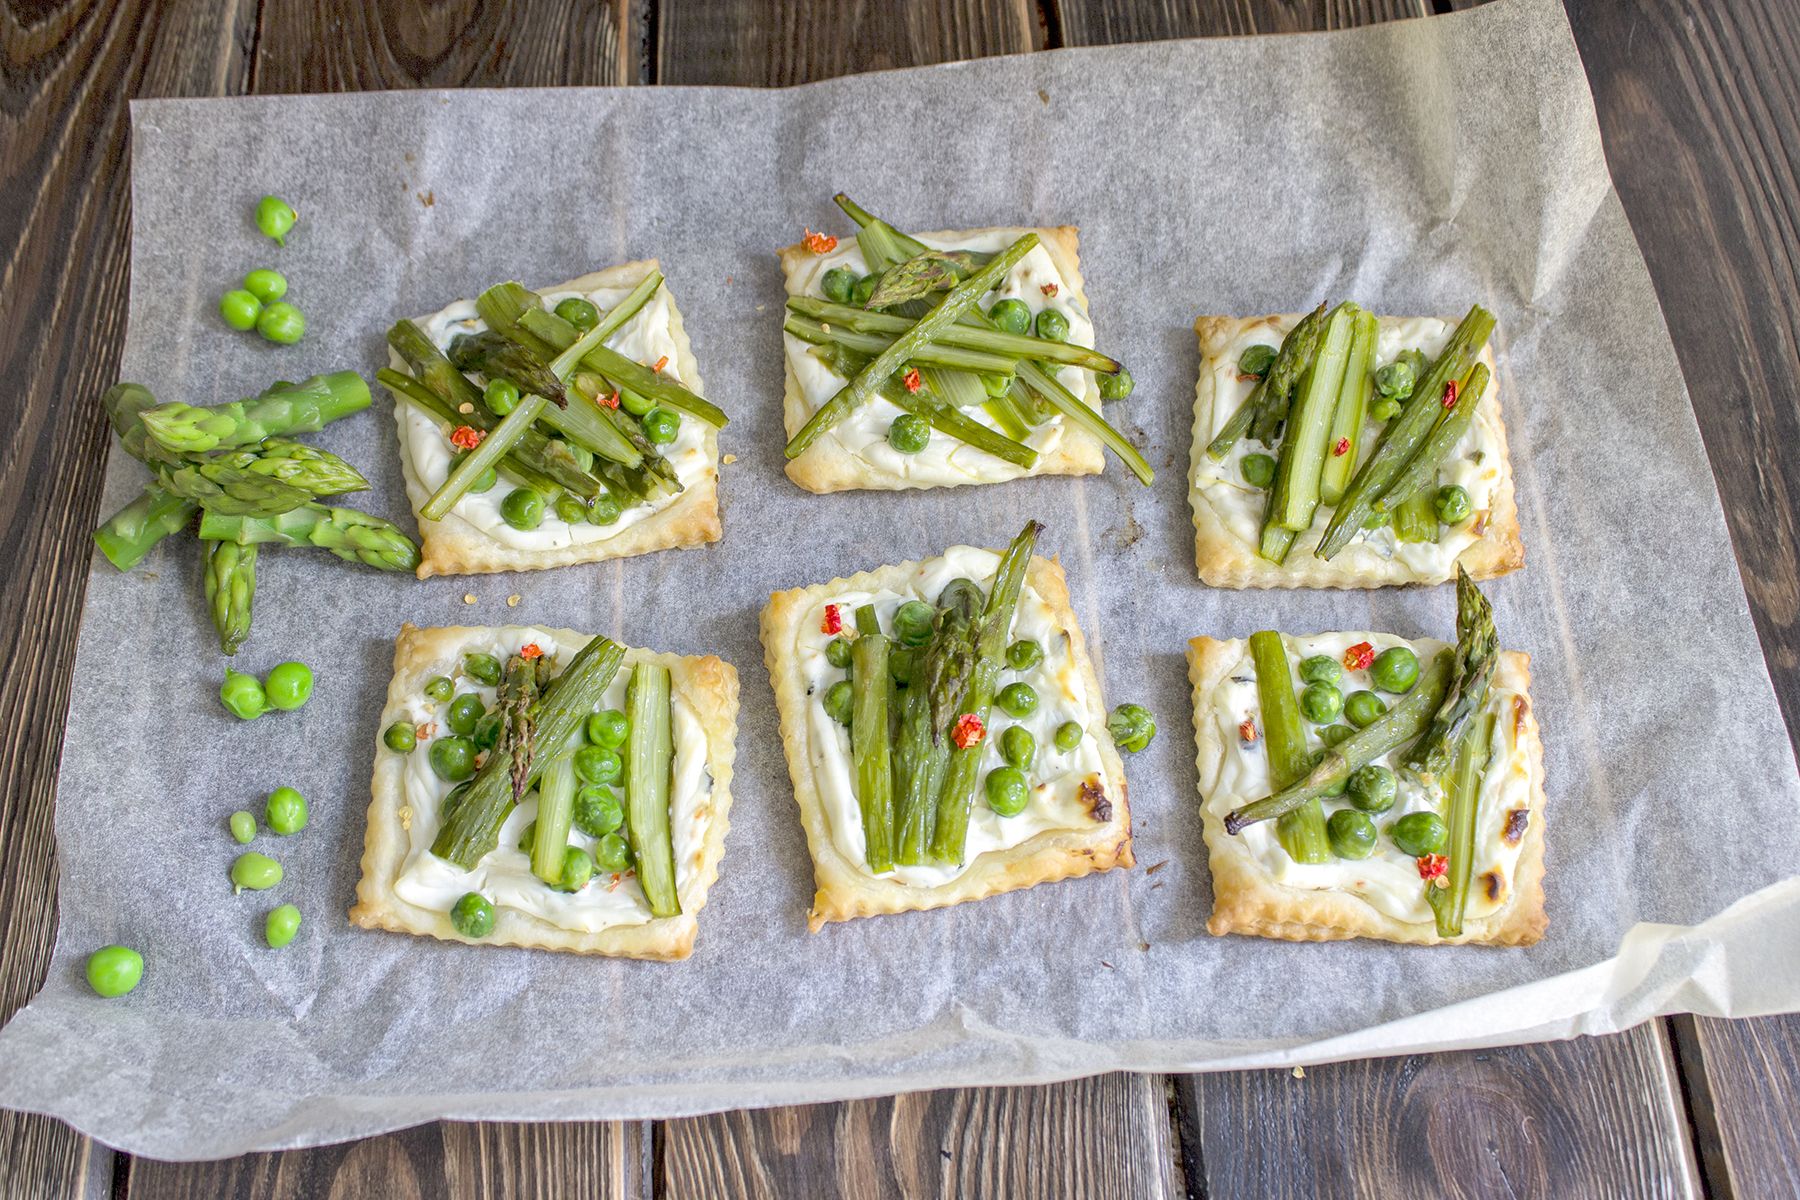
{"type": "Point", "coordinates": [1107, 22]}
{"type": "Point", "coordinates": [67, 73]}
{"type": "Point", "coordinates": [1743, 1080]}
{"type": "Point", "coordinates": [444, 1161]}
{"type": "Point", "coordinates": [1102, 1137]}
{"type": "Point", "coordinates": [775, 43]}
{"type": "Point", "coordinates": [1598, 1117]}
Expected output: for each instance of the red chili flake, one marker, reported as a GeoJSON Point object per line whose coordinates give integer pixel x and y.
{"type": "Point", "coordinates": [1432, 866]}
{"type": "Point", "coordinates": [1450, 394]}
{"type": "Point", "coordinates": [660, 364]}
{"type": "Point", "coordinates": [611, 401]}
{"type": "Point", "coordinates": [531, 650]}
{"type": "Point", "coordinates": [424, 730]}
{"type": "Point", "coordinates": [466, 437]}
{"type": "Point", "coordinates": [968, 731]}
{"type": "Point", "coordinates": [1359, 656]}
{"type": "Point", "coordinates": [1247, 729]}
{"type": "Point", "coordinates": [911, 379]}
{"type": "Point", "coordinates": [1342, 448]}
{"type": "Point", "coordinates": [834, 621]}
{"type": "Point", "coordinates": [1050, 289]}
{"type": "Point", "coordinates": [819, 243]}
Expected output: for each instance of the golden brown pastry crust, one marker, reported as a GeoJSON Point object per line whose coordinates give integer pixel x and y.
{"type": "Point", "coordinates": [710, 686]}
{"type": "Point", "coordinates": [1227, 561]}
{"type": "Point", "coordinates": [844, 889]}
{"type": "Point", "coordinates": [1246, 900]}
{"type": "Point", "coordinates": [453, 546]}
{"type": "Point", "coordinates": [827, 466]}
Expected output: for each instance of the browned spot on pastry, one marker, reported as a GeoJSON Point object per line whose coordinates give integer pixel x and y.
{"type": "Point", "coordinates": [1521, 707]}
{"type": "Point", "coordinates": [1492, 884]}
{"type": "Point", "coordinates": [1480, 526]}
{"type": "Point", "coordinates": [1516, 821]}
{"type": "Point", "coordinates": [1155, 867]}
{"type": "Point", "coordinates": [1094, 796]}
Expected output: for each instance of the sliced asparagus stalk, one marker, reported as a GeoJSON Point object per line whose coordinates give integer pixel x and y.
{"type": "Point", "coordinates": [649, 754]}
{"type": "Point", "coordinates": [1477, 654]}
{"type": "Point", "coordinates": [349, 534]}
{"type": "Point", "coordinates": [555, 814]}
{"type": "Point", "coordinates": [871, 344]}
{"type": "Point", "coordinates": [1296, 350]}
{"type": "Point", "coordinates": [922, 748]}
{"type": "Point", "coordinates": [1053, 393]}
{"type": "Point", "coordinates": [433, 370]}
{"type": "Point", "coordinates": [1302, 831]}
{"type": "Point", "coordinates": [1295, 496]}
{"type": "Point", "coordinates": [298, 408]}
{"type": "Point", "coordinates": [870, 744]}
{"type": "Point", "coordinates": [1449, 903]}
{"type": "Point", "coordinates": [1439, 444]}
{"type": "Point", "coordinates": [519, 691]}
{"type": "Point", "coordinates": [1415, 518]}
{"type": "Point", "coordinates": [983, 338]}
{"type": "Point", "coordinates": [493, 447]}
{"type": "Point", "coordinates": [603, 360]}
{"type": "Point", "coordinates": [230, 589]}
{"type": "Point", "coordinates": [536, 462]}
{"type": "Point", "coordinates": [128, 535]}
{"type": "Point", "coordinates": [1345, 437]}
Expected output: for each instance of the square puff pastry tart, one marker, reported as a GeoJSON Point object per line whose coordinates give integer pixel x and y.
{"type": "Point", "coordinates": [1228, 512]}
{"type": "Point", "coordinates": [473, 539]}
{"type": "Point", "coordinates": [406, 889]}
{"type": "Point", "coordinates": [1258, 889]}
{"type": "Point", "coordinates": [1078, 820]}
{"type": "Point", "coordinates": [856, 455]}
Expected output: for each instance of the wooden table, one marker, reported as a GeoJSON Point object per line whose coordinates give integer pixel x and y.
{"type": "Point", "coordinates": [1702, 126]}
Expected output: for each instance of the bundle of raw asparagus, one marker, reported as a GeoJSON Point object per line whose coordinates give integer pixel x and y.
{"type": "Point", "coordinates": [250, 482]}
{"type": "Point", "coordinates": [914, 332]}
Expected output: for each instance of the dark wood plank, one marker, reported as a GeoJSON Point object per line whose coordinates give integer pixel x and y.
{"type": "Point", "coordinates": [1084, 23]}
{"type": "Point", "coordinates": [1598, 1117]}
{"type": "Point", "coordinates": [445, 1161]}
{"type": "Point", "coordinates": [1701, 120]}
{"type": "Point", "coordinates": [1087, 1138]}
{"type": "Point", "coordinates": [64, 221]}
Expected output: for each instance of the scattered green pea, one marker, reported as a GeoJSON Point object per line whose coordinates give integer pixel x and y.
{"type": "Point", "coordinates": [1052, 325]}
{"type": "Point", "coordinates": [465, 713]}
{"type": "Point", "coordinates": [1117, 385]}
{"type": "Point", "coordinates": [285, 811]}
{"type": "Point", "coordinates": [114, 970]}
{"type": "Point", "coordinates": [243, 827]}
{"type": "Point", "coordinates": [243, 696]}
{"type": "Point", "coordinates": [635, 404]}
{"type": "Point", "coordinates": [1131, 726]}
{"type": "Point", "coordinates": [1321, 703]}
{"type": "Point", "coordinates": [1258, 470]}
{"type": "Point", "coordinates": [605, 509]}
{"type": "Point", "coordinates": [909, 433]}
{"type": "Point", "coordinates": [1256, 360]}
{"type": "Point", "coordinates": [608, 728]}
{"type": "Point", "coordinates": [289, 685]}
{"type": "Point", "coordinates": [865, 288]}
{"type": "Point", "coordinates": [1395, 670]}
{"type": "Point", "coordinates": [523, 508]}
{"type": "Point", "coordinates": [240, 309]}
{"type": "Point", "coordinates": [528, 837]}
{"type": "Point", "coordinates": [901, 665]}
{"type": "Point", "coordinates": [597, 764]}
{"type": "Point", "coordinates": [1017, 700]}
{"type": "Point", "coordinates": [611, 854]}
{"type": "Point", "coordinates": [1419, 833]}
{"type": "Point", "coordinates": [453, 758]}
{"type": "Point", "coordinates": [1395, 381]}
{"type": "Point", "coordinates": [266, 285]}
{"type": "Point", "coordinates": [1372, 788]}
{"type": "Point", "coordinates": [578, 312]}
{"type": "Point", "coordinates": [912, 623]}
{"type": "Point", "coordinates": [258, 872]}
{"type": "Point", "coordinates": [501, 396]}
{"type": "Point", "coordinates": [1321, 668]}
{"type": "Point", "coordinates": [597, 811]}
{"type": "Point", "coordinates": [838, 284]}
{"type": "Point", "coordinates": [1385, 408]}
{"type": "Point", "coordinates": [275, 217]}
{"type": "Point", "coordinates": [996, 386]}
{"type": "Point", "coordinates": [400, 737]}
{"type": "Point", "coordinates": [484, 667]}
{"type": "Point", "coordinates": [839, 702]}
{"type": "Point", "coordinates": [584, 458]}
{"type": "Point", "coordinates": [577, 869]}
{"type": "Point", "coordinates": [280, 926]}
{"type": "Point", "coordinates": [439, 688]}
{"type": "Point", "coordinates": [1363, 708]}
{"type": "Point", "coordinates": [1024, 654]}
{"type": "Point", "coordinates": [1335, 734]}
{"type": "Point", "coordinates": [661, 425]}
{"type": "Point", "coordinates": [1010, 315]}
{"type": "Point", "coordinates": [1068, 736]}
{"type": "Point", "coordinates": [281, 323]}
{"type": "Point", "coordinates": [1351, 833]}
{"type": "Point", "coordinates": [571, 510]}
{"type": "Point", "coordinates": [473, 916]}
{"type": "Point", "coordinates": [1007, 791]}
{"type": "Point", "coordinates": [1018, 747]}
{"type": "Point", "coordinates": [837, 653]}
{"type": "Point", "coordinates": [1453, 504]}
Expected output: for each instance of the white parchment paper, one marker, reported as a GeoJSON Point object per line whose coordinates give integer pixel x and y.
{"type": "Point", "coordinates": [1206, 177]}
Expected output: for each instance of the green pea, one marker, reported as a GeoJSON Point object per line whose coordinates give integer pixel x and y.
{"type": "Point", "coordinates": [1335, 734]}
{"type": "Point", "coordinates": [584, 458]}
{"type": "Point", "coordinates": [1372, 788]}
{"type": "Point", "coordinates": [570, 510]}
{"type": "Point", "coordinates": [996, 386]}
{"type": "Point", "coordinates": [280, 926]}
{"type": "Point", "coordinates": [1010, 315]}
{"type": "Point", "coordinates": [1018, 747]}
{"type": "Point", "coordinates": [1068, 736]}
{"type": "Point", "coordinates": [839, 702]}
{"type": "Point", "coordinates": [487, 731]}
{"type": "Point", "coordinates": [634, 403]}
{"type": "Point", "coordinates": [1418, 360]}
{"type": "Point", "coordinates": [1386, 408]}
{"type": "Point", "coordinates": [1321, 668]}
{"type": "Point", "coordinates": [1419, 833]}
{"type": "Point", "coordinates": [1131, 726]}
{"type": "Point", "coordinates": [578, 312]}
{"type": "Point", "coordinates": [453, 758]}
{"type": "Point", "coordinates": [1351, 833]}
{"type": "Point", "coordinates": [608, 728]}
{"type": "Point", "coordinates": [1256, 360]}
{"type": "Point", "coordinates": [597, 764]}
{"type": "Point", "coordinates": [1017, 700]}
{"type": "Point", "coordinates": [577, 869]}
{"type": "Point", "coordinates": [597, 811]}
{"type": "Point", "coordinates": [289, 685]}
{"type": "Point", "coordinates": [240, 309]}
{"type": "Point", "coordinates": [275, 216]}
{"type": "Point", "coordinates": [484, 667]}
{"type": "Point", "coordinates": [1363, 708]}
{"type": "Point", "coordinates": [1395, 381]}
{"type": "Point", "coordinates": [484, 482]}
{"type": "Point", "coordinates": [838, 284]}
{"type": "Point", "coordinates": [960, 591]}
{"type": "Point", "coordinates": [243, 696]}
{"type": "Point", "coordinates": [661, 425]}
{"type": "Point", "coordinates": [1453, 504]}
{"type": "Point", "coordinates": [837, 653]}
{"type": "Point", "coordinates": [912, 623]}
{"type": "Point", "coordinates": [605, 509]}
{"type": "Point", "coordinates": [453, 800]}
{"type": "Point", "coordinates": [400, 737]}
{"type": "Point", "coordinates": [865, 288]}
{"type": "Point", "coordinates": [1117, 385]}
{"type": "Point", "coordinates": [465, 713]}
{"type": "Point", "coordinates": [1024, 654]}
{"type": "Point", "coordinates": [285, 811]}
{"type": "Point", "coordinates": [1052, 325]}
{"type": "Point", "coordinates": [1395, 670]}
{"type": "Point", "coordinates": [1321, 703]}
{"type": "Point", "coordinates": [1258, 470]}
{"type": "Point", "coordinates": [473, 916]}
{"type": "Point", "coordinates": [909, 433]}
{"type": "Point", "coordinates": [528, 837]}
{"type": "Point", "coordinates": [611, 854]}
{"type": "Point", "coordinates": [114, 970]}
{"type": "Point", "coordinates": [522, 508]}
{"type": "Point", "coordinates": [901, 665]}
{"type": "Point", "coordinates": [501, 396]}
{"type": "Point", "coordinates": [243, 827]}
{"type": "Point", "coordinates": [258, 872]}
{"type": "Point", "coordinates": [439, 688]}
{"type": "Point", "coordinates": [266, 285]}
{"type": "Point", "coordinates": [281, 323]}
{"type": "Point", "coordinates": [1007, 791]}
